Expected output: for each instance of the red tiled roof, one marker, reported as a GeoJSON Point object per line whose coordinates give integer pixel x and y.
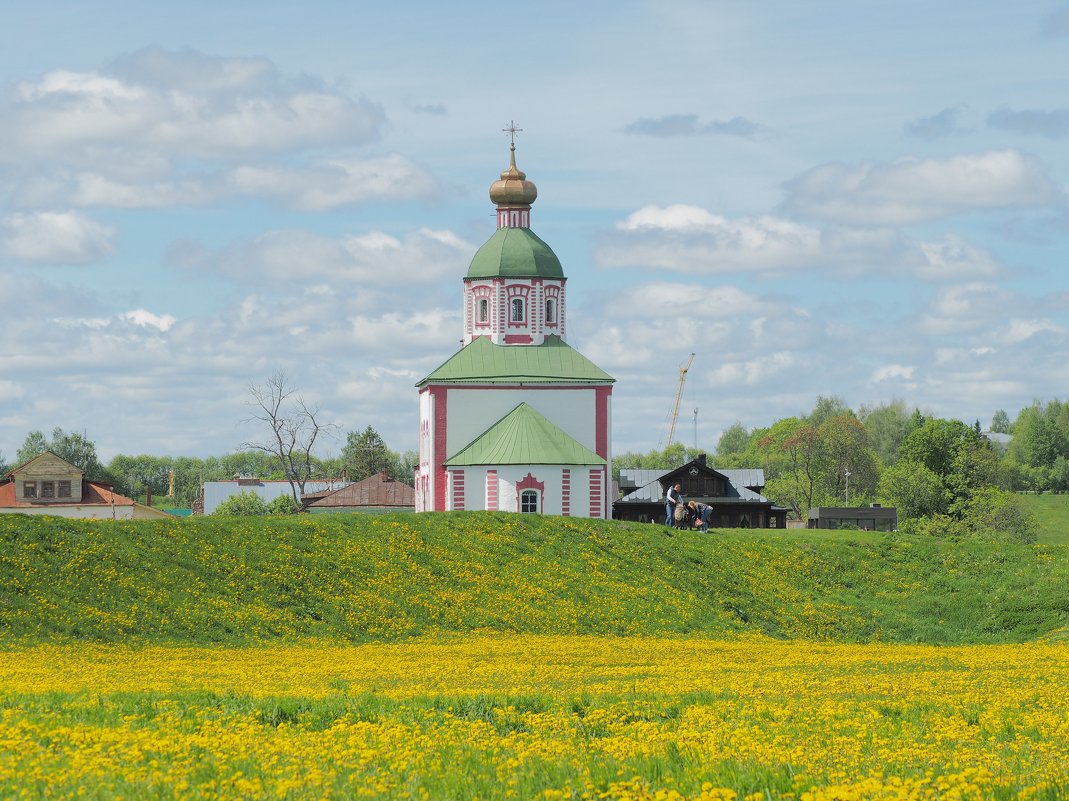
{"type": "Point", "coordinates": [378, 490]}
{"type": "Point", "coordinates": [93, 494]}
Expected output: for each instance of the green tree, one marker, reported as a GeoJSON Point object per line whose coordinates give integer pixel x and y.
{"type": "Point", "coordinates": [72, 447]}
{"type": "Point", "coordinates": [365, 454]}
{"type": "Point", "coordinates": [913, 489]}
{"type": "Point", "coordinates": [244, 504]}
{"type": "Point", "coordinates": [1000, 422]}
{"type": "Point", "coordinates": [734, 439]}
{"type": "Point", "coordinates": [935, 443]}
{"type": "Point", "coordinates": [828, 407]}
{"type": "Point", "coordinates": [887, 425]}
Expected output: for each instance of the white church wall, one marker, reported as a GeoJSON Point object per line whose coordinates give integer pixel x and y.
{"type": "Point", "coordinates": [473, 411]}
{"type": "Point", "coordinates": [508, 480]}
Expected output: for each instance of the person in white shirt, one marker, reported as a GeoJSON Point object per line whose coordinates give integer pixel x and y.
{"type": "Point", "coordinates": [673, 497]}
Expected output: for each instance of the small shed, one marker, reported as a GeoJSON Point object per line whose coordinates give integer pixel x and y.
{"type": "Point", "coordinates": [865, 518]}
{"type": "Point", "coordinates": [376, 494]}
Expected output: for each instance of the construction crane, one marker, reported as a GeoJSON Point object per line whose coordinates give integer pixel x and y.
{"type": "Point", "coordinates": [679, 397]}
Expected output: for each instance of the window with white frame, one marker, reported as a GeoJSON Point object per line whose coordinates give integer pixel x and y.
{"type": "Point", "coordinates": [518, 312]}
{"type": "Point", "coordinates": [529, 501]}
{"type": "Point", "coordinates": [551, 311]}
{"type": "Point", "coordinates": [482, 314]}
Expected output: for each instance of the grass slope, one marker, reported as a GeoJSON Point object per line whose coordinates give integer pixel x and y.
{"type": "Point", "coordinates": [363, 578]}
{"type": "Point", "coordinates": [1052, 515]}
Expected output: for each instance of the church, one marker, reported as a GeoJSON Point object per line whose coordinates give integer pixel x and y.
{"type": "Point", "coordinates": [517, 420]}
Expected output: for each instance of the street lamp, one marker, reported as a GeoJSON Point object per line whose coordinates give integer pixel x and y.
{"type": "Point", "coordinates": [847, 474]}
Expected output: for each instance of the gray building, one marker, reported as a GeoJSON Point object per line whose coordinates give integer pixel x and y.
{"type": "Point", "coordinates": [215, 492]}
{"type": "Point", "coordinates": [865, 518]}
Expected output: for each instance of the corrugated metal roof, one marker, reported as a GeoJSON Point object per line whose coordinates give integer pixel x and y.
{"type": "Point", "coordinates": [652, 493]}
{"type": "Point", "coordinates": [515, 253]}
{"type": "Point", "coordinates": [554, 361]}
{"type": "Point", "coordinates": [378, 490]}
{"type": "Point", "coordinates": [744, 476]}
{"type": "Point", "coordinates": [523, 436]}
{"type": "Point", "coordinates": [634, 477]}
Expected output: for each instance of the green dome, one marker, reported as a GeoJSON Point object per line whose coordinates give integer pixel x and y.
{"type": "Point", "coordinates": [515, 253]}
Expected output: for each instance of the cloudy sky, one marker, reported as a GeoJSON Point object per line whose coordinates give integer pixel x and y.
{"type": "Point", "coordinates": [831, 197]}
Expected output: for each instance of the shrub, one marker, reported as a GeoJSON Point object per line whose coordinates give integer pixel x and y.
{"type": "Point", "coordinates": [283, 505]}
{"type": "Point", "coordinates": [244, 504]}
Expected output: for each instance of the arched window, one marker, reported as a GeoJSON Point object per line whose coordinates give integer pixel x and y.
{"type": "Point", "coordinates": [518, 315]}
{"type": "Point", "coordinates": [551, 311]}
{"type": "Point", "coordinates": [483, 315]}
{"type": "Point", "coordinates": [529, 501]}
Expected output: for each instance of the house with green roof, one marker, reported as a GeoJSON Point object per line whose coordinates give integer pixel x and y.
{"type": "Point", "coordinates": [517, 420]}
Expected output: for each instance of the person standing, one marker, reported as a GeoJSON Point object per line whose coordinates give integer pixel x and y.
{"type": "Point", "coordinates": [672, 498]}
{"type": "Point", "coordinates": [703, 512]}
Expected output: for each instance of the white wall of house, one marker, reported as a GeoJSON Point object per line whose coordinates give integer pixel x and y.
{"type": "Point", "coordinates": [473, 497]}
{"type": "Point", "coordinates": [472, 411]}
{"type": "Point", "coordinates": [77, 511]}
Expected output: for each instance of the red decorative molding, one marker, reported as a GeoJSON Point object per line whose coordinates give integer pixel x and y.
{"type": "Point", "coordinates": [438, 455]}
{"type": "Point", "coordinates": [601, 420]}
{"type": "Point", "coordinates": [491, 490]}
{"type": "Point", "coordinates": [458, 489]}
{"type": "Point", "coordinates": [566, 492]}
{"type": "Point", "coordinates": [529, 482]}
{"type": "Point", "coordinates": [518, 339]}
{"type": "Point", "coordinates": [595, 491]}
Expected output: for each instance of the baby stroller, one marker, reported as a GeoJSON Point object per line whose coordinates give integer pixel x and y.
{"type": "Point", "coordinates": [684, 516]}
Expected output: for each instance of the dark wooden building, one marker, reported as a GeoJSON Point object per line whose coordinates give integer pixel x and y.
{"type": "Point", "coordinates": [734, 494]}
{"type": "Point", "coordinates": [866, 518]}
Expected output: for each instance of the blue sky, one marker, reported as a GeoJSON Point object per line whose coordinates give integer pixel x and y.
{"type": "Point", "coordinates": [856, 198]}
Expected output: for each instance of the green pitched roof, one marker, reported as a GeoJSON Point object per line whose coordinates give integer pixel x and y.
{"type": "Point", "coordinates": [552, 362]}
{"type": "Point", "coordinates": [523, 436]}
{"type": "Point", "coordinates": [515, 253]}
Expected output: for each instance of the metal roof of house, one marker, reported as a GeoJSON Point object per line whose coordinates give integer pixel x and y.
{"type": "Point", "coordinates": [653, 493]}
{"type": "Point", "coordinates": [523, 436]}
{"type": "Point", "coordinates": [483, 362]}
{"type": "Point", "coordinates": [634, 477]}
{"type": "Point", "coordinates": [515, 253]}
{"type": "Point", "coordinates": [378, 490]}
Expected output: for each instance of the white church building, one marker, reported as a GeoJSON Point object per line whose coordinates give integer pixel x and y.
{"type": "Point", "coordinates": [517, 420]}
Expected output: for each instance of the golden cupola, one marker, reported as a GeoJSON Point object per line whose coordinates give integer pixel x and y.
{"type": "Point", "coordinates": [513, 194]}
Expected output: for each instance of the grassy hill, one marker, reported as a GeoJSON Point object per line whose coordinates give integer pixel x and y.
{"type": "Point", "coordinates": [1052, 514]}
{"type": "Point", "coordinates": [385, 578]}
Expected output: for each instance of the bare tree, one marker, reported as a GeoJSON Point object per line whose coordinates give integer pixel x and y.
{"type": "Point", "coordinates": [295, 426]}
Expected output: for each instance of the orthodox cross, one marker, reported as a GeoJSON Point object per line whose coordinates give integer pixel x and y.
{"type": "Point", "coordinates": [512, 130]}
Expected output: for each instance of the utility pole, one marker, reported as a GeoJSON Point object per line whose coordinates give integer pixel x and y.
{"type": "Point", "coordinates": [695, 428]}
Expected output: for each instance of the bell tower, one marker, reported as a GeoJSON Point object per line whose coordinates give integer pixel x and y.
{"type": "Point", "coordinates": [514, 289]}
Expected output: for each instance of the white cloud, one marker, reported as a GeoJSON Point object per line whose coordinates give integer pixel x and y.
{"type": "Point", "coordinates": [1019, 330]}
{"type": "Point", "coordinates": [892, 371]}
{"type": "Point", "coordinates": [375, 261]}
{"type": "Point", "coordinates": [912, 190]}
{"type": "Point", "coordinates": [692, 240]}
{"type": "Point", "coordinates": [146, 319]}
{"type": "Point", "coordinates": [50, 237]}
{"type": "Point", "coordinates": [336, 183]}
{"type": "Point", "coordinates": [189, 103]}
{"type": "Point", "coordinates": [966, 308]}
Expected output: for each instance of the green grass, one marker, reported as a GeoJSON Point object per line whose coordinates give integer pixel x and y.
{"type": "Point", "coordinates": [390, 577]}
{"type": "Point", "coordinates": [1052, 514]}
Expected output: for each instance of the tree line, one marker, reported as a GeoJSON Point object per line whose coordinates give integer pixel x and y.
{"type": "Point", "coordinates": [943, 475]}
{"type": "Point", "coordinates": [364, 454]}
